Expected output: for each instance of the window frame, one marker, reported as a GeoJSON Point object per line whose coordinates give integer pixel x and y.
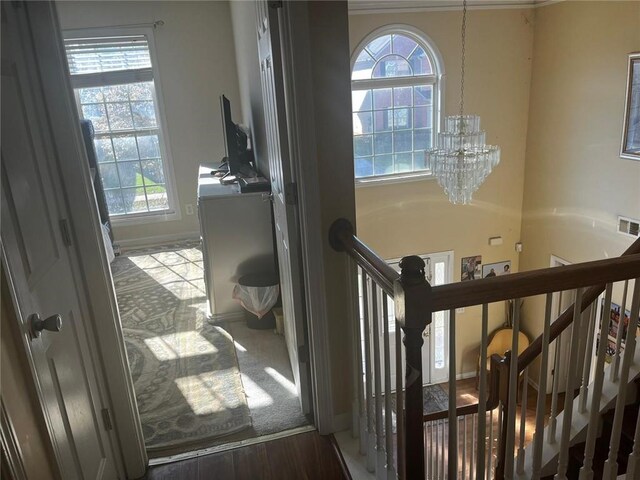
{"type": "Point", "coordinates": [436, 80]}
{"type": "Point", "coordinates": [173, 212]}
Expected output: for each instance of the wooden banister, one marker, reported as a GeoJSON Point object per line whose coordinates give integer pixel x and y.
{"type": "Point", "coordinates": [564, 320]}
{"type": "Point", "coordinates": [343, 239]}
{"type": "Point", "coordinates": [534, 282]}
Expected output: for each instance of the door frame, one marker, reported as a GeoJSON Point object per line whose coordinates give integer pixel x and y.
{"type": "Point", "coordinates": [87, 253]}
{"type": "Point", "coordinates": [298, 83]}
{"type": "Point", "coordinates": [430, 374]}
{"type": "Point", "coordinates": [85, 224]}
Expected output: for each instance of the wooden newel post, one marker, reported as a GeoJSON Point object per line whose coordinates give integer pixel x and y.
{"type": "Point", "coordinates": [413, 312]}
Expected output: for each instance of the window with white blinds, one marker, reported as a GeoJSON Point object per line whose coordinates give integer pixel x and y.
{"type": "Point", "coordinates": [114, 85]}
{"type": "Point", "coordinates": [107, 54]}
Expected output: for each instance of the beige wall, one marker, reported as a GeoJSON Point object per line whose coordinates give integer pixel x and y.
{"type": "Point", "coordinates": [19, 397]}
{"type": "Point", "coordinates": [575, 183]}
{"type": "Point", "coordinates": [416, 217]}
{"type": "Point", "coordinates": [196, 64]}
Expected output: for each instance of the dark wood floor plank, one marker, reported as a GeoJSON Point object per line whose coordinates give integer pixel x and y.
{"type": "Point", "coordinates": [306, 456]}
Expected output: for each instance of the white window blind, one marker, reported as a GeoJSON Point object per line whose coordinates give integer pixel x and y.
{"type": "Point", "coordinates": [107, 54]}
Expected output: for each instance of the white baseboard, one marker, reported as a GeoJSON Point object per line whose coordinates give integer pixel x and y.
{"type": "Point", "coordinates": [465, 375]}
{"type": "Point", "coordinates": [341, 422]}
{"type": "Point", "coordinates": [156, 240]}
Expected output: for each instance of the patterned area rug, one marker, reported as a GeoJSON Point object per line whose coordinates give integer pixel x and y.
{"type": "Point", "coordinates": [185, 371]}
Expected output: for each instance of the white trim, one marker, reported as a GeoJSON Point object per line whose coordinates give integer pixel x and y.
{"type": "Point", "coordinates": [365, 7]}
{"type": "Point", "coordinates": [394, 178]}
{"type": "Point", "coordinates": [342, 422]}
{"type": "Point", "coordinates": [10, 445]}
{"type": "Point", "coordinates": [301, 127]}
{"type": "Point", "coordinates": [156, 240]}
{"type": "Point", "coordinates": [173, 213]}
{"type": "Point", "coordinates": [231, 445]}
{"type": "Point", "coordinates": [226, 317]}
{"type": "Point", "coordinates": [76, 180]}
{"type": "Point", "coordinates": [437, 81]}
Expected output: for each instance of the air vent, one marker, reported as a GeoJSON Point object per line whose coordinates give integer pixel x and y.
{"type": "Point", "coordinates": [629, 226]}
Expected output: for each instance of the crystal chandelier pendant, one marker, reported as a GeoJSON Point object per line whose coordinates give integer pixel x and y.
{"type": "Point", "coordinates": [461, 160]}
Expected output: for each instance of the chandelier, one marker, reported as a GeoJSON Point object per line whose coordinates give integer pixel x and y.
{"type": "Point", "coordinates": [461, 161]}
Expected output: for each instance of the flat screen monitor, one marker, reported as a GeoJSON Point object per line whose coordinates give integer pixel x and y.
{"type": "Point", "coordinates": [235, 140]}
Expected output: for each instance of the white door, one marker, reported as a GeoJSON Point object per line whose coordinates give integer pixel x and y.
{"type": "Point", "coordinates": [283, 195]}
{"type": "Point", "coordinates": [36, 259]}
{"type": "Point", "coordinates": [435, 350]}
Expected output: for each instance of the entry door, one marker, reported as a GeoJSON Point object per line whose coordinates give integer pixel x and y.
{"type": "Point", "coordinates": [284, 196]}
{"type": "Point", "coordinates": [435, 350]}
{"type": "Point", "coordinates": [38, 266]}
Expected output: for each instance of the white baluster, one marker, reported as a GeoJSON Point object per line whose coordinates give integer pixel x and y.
{"type": "Point", "coordinates": [512, 395]}
{"type": "Point", "coordinates": [555, 380]}
{"type": "Point", "coordinates": [538, 436]}
{"type": "Point", "coordinates": [523, 422]}
{"type": "Point", "coordinates": [611, 465]}
{"type": "Point", "coordinates": [380, 454]}
{"type": "Point", "coordinates": [400, 471]}
{"type": "Point", "coordinates": [436, 450]}
{"type": "Point", "coordinates": [432, 460]}
{"type": "Point", "coordinates": [565, 434]}
{"type": "Point", "coordinates": [615, 369]}
{"type": "Point", "coordinates": [388, 410]}
{"type": "Point", "coordinates": [371, 439]}
{"type": "Point", "coordinates": [357, 403]}
{"type": "Point", "coordinates": [362, 423]}
{"type": "Point", "coordinates": [586, 370]}
{"type": "Point", "coordinates": [633, 465]}
{"type": "Point", "coordinates": [464, 447]}
{"type": "Point", "coordinates": [482, 394]}
{"type": "Point", "coordinates": [452, 465]}
{"type": "Point", "coordinates": [586, 471]}
{"type": "Point", "coordinates": [490, 449]}
{"type": "Point", "coordinates": [474, 446]}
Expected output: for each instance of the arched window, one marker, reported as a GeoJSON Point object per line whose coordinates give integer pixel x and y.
{"type": "Point", "coordinates": [396, 80]}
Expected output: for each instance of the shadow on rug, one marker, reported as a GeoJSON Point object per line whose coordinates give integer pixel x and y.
{"type": "Point", "coordinates": [185, 371]}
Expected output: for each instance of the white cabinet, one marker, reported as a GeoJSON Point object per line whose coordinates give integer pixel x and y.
{"type": "Point", "coordinates": [237, 239]}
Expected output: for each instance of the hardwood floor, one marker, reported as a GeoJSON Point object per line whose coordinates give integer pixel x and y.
{"type": "Point", "coordinates": [309, 456]}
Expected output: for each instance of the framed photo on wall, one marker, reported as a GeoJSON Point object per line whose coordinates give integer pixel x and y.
{"type": "Point", "coordinates": [471, 268]}
{"type": "Point", "coordinates": [496, 269]}
{"type": "Point", "coordinates": [619, 324]}
{"type": "Point", "coordinates": [631, 128]}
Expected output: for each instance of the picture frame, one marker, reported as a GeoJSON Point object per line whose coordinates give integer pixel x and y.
{"type": "Point", "coordinates": [630, 145]}
{"type": "Point", "coordinates": [466, 272]}
{"type": "Point", "coordinates": [617, 320]}
{"type": "Point", "coordinates": [496, 269]}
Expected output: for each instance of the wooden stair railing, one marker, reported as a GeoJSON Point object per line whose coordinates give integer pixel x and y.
{"type": "Point", "coordinates": [414, 301]}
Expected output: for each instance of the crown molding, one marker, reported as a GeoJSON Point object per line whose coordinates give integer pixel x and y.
{"type": "Point", "coordinates": [361, 7]}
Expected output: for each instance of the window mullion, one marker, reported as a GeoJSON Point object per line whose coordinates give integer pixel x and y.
{"type": "Point", "coordinates": [369, 84]}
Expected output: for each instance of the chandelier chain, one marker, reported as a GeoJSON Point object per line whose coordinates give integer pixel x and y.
{"type": "Point", "coordinates": [464, 35]}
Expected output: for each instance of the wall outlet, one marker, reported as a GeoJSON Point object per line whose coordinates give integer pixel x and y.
{"type": "Point", "coordinates": [459, 310]}
{"type": "Point", "coordinates": [188, 208]}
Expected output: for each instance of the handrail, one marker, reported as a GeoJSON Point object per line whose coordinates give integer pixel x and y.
{"type": "Point", "coordinates": [342, 239]}
{"type": "Point", "coordinates": [566, 318]}
{"type": "Point", "coordinates": [534, 282]}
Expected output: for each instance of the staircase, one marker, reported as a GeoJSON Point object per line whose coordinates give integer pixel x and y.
{"type": "Point", "coordinates": [591, 434]}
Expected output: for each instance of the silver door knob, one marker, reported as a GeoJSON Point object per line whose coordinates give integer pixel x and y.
{"type": "Point", "coordinates": [52, 324]}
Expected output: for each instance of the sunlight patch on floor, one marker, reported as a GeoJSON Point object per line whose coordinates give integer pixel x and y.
{"type": "Point", "coordinates": [256, 396]}
{"type": "Point", "coordinates": [200, 393]}
{"type": "Point", "coordinates": [180, 345]}
{"type": "Point", "coordinates": [282, 380]}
